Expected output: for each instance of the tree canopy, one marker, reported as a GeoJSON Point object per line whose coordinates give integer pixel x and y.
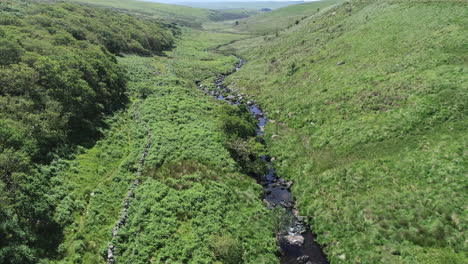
{"type": "Point", "coordinates": [58, 78]}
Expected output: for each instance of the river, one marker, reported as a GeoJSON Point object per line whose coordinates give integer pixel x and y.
{"type": "Point", "coordinates": [296, 241]}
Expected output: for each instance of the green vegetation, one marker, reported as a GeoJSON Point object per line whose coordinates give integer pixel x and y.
{"type": "Point", "coordinates": [181, 15]}
{"type": "Point", "coordinates": [58, 80]}
{"type": "Point", "coordinates": [193, 202]}
{"type": "Point", "coordinates": [369, 106]}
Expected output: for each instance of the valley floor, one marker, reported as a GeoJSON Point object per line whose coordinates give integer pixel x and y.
{"type": "Point", "coordinates": [193, 204]}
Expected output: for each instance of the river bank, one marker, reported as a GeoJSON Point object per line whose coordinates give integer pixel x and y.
{"type": "Point", "coordinates": [295, 240]}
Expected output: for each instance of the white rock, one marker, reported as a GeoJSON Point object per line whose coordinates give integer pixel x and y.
{"type": "Point", "coordinates": [295, 240]}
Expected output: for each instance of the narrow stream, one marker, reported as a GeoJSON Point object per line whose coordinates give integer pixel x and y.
{"type": "Point", "coordinates": [296, 241]}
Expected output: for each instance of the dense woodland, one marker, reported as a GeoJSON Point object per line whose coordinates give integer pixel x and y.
{"type": "Point", "coordinates": [59, 78]}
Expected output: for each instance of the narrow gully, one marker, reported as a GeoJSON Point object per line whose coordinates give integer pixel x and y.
{"type": "Point", "coordinates": [297, 243]}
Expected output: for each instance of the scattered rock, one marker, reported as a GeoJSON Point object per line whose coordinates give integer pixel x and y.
{"type": "Point", "coordinates": [341, 63]}
{"type": "Point", "coordinates": [287, 204]}
{"type": "Point", "coordinates": [303, 259]}
{"type": "Point", "coordinates": [268, 204]}
{"type": "Point", "coordinates": [294, 240]}
{"type": "Point", "coordinates": [230, 97]}
{"type": "Point", "coordinates": [342, 256]}
{"type": "Point", "coordinates": [295, 212]}
{"type": "Point", "coordinates": [275, 136]}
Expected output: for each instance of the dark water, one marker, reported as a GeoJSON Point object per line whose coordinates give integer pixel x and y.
{"type": "Point", "coordinates": [296, 241]}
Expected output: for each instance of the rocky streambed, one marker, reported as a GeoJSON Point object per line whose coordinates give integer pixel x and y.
{"type": "Point", "coordinates": [296, 241]}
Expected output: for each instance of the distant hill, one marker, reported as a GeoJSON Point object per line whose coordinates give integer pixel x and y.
{"type": "Point", "coordinates": [283, 17]}
{"type": "Point", "coordinates": [181, 15]}
{"type": "Point", "coordinates": [231, 4]}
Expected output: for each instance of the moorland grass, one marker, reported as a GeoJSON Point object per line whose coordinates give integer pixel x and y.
{"type": "Point", "coordinates": [368, 102]}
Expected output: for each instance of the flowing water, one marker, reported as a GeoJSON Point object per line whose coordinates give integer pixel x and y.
{"type": "Point", "coordinates": [296, 241]}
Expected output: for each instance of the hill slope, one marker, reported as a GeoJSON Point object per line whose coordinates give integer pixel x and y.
{"type": "Point", "coordinates": [181, 15]}
{"type": "Point", "coordinates": [369, 104]}
{"type": "Point", "coordinates": [281, 18]}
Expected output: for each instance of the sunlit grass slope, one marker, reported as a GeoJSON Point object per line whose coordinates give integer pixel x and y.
{"type": "Point", "coordinates": [368, 103]}
{"type": "Point", "coordinates": [181, 15]}
{"type": "Point", "coordinates": [281, 18]}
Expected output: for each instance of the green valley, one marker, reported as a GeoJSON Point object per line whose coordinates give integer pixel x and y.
{"type": "Point", "coordinates": [326, 132]}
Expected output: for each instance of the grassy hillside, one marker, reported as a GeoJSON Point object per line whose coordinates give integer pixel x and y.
{"type": "Point", "coordinates": [368, 102]}
{"type": "Point", "coordinates": [283, 17]}
{"type": "Point", "coordinates": [181, 15]}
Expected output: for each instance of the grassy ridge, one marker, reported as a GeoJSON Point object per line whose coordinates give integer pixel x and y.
{"type": "Point", "coordinates": [181, 15]}
{"type": "Point", "coordinates": [368, 102]}
{"type": "Point", "coordinates": [282, 18]}
{"type": "Point", "coordinates": [253, 5]}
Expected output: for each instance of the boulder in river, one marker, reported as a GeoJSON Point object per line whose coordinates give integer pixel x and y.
{"type": "Point", "coordinates": [303, 259]}
{"type": "Point", "coordinates": [287, 204]}
{"type": "Point", "coordinates": [294, 240]}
